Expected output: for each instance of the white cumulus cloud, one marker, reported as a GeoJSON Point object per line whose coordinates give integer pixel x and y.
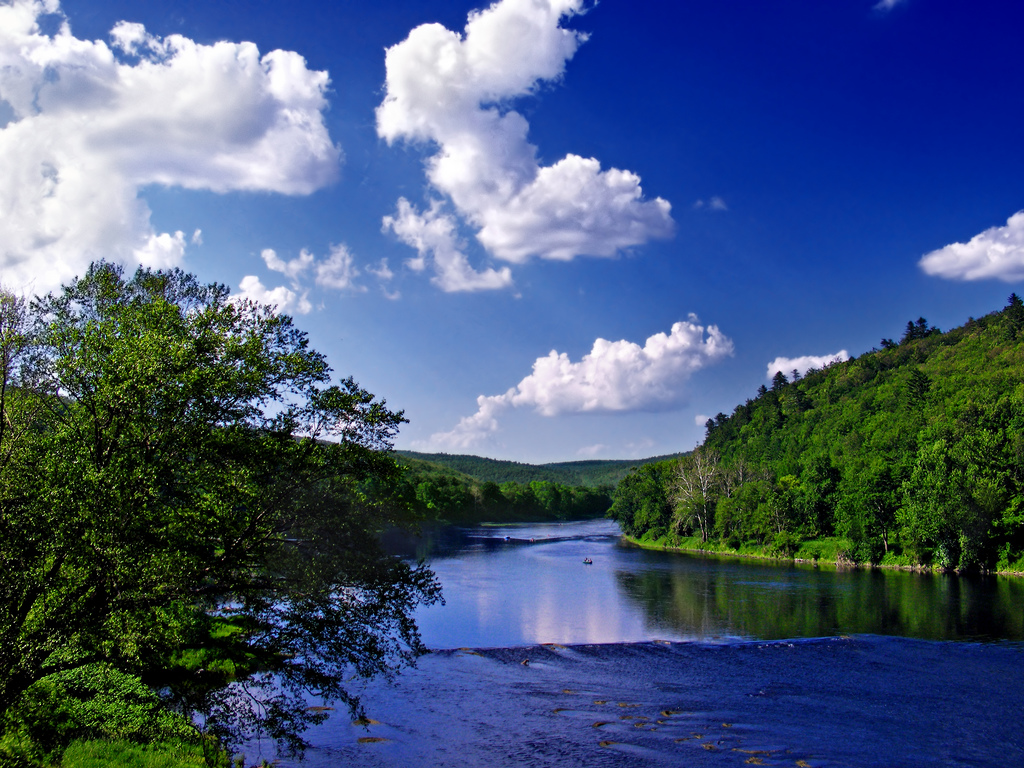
{"type": "Point", "coordinates": [997, 253]}
{"type": "Point", "coordinates": [804, 363]}
{"type": "Point", "coordinates": [92, 123]}
{"type": "Point", "coordinates": [615, 376]}
{"type": "Point", "coordinates": [453, 91]}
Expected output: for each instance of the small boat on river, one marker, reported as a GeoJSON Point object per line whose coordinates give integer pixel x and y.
{"type": "Point", "coordinates": [587, 561]}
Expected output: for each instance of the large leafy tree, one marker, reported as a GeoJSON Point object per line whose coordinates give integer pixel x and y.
{"type": "Point", "coordinates": [188, 502]}
{"type": "Point", "coordinates": [641, 500]}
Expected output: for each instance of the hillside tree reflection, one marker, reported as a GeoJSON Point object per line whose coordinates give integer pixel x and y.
{"type": "Point", "coordinates": [714, 598]}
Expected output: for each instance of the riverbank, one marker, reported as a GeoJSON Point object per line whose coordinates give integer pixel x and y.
{"type": "Point", "coordinates": [829, 552]}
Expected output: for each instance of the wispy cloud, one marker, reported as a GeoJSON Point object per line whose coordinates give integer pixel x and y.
{"type": "Point", "coordinates": [283, 299]}
{"type": "Point", "coordinates": [887, 5]}
{"type": "Point", "coordinates": [615, 376]}
{"type": "Point", "coordinates": [452, 90]}
{"type": "Point", "coordinates": [384, 275]}
{"type": "Point", "coordinates": [433, 235]}
{"type": "Point", "coordinates": [93, 123]}
{"type": "Point", "coordinates": [338, 272]}
{"type": "Point", "coordinates": [293, 269]}
{"type": "Point", "coordinates": [715, 203]}
{"type": "Point", "coordinates": [997, 253]}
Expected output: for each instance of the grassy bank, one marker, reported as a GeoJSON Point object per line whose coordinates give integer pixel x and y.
{"type": "Point", "coordinates": [113, 753]}
{"type": "Point", "coordinates": [101, 754]}
{"type": "Point", "coordinates": [833, 551]}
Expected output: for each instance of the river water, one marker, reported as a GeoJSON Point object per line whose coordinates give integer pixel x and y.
{"type": "Point", "coordinates": [649, 658]}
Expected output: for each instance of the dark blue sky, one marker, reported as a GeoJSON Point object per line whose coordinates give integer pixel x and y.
{"type": "Point", "coordinates": [812, 154]}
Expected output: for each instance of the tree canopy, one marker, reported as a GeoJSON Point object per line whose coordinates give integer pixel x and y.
{"type": "Point", "coordinates": [189, 513]}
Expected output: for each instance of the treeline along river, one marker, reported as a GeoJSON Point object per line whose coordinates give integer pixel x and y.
{"type": "Point", "coordinates": [649, 658]}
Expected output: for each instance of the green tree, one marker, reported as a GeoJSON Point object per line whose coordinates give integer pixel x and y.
{"type": "Point", "coordinates": [187, 501]}
{"type": "Point", "coordinates": [917, 385]}
{"type": "Point", "coordinates": [819, 491]}
{"type": "Point", "coordinates": [867, 514]}
{"type": "Point", "coordinates": [641, 503]}
{"type": "Point", "coordinates": [958, 489]}
{"type": "Point", "coordinates": [913, 450]}
{"type": "Point", "coordinates": [1014, 314]}
{"type": "Point", "coordinates": [490, 496]}
{"type": "Point", "coordinates": [444, 496]}
{"type": "Point", "coordinates": [918, 330]}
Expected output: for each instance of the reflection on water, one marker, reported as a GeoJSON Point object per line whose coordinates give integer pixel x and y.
{"type": "Point", "coordinates": [528, 584]}
{"type": "Point", "coordinates": [771, 601]}
{"type": "Point", "coordinates": [521, 585]}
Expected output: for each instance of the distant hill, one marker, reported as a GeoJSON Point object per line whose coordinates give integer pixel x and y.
{"type": "Point", "coordinates": [592, 473]}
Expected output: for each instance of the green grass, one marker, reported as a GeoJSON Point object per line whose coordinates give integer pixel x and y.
{"type": "Point", "coordinates": [123, 754]}
{"type": "Point", "coordinates": [824, 550]}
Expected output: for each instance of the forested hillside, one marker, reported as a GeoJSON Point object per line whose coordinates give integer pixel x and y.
{"type": "Point", "coordinates": [594, 473]}
{"type": "Point", "coordinates": [437, 491]}
{"type": "Point", "coordinates": [912, 453]}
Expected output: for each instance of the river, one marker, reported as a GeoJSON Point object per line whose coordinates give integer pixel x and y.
{"type": "Point", "coordinates": [650, 658]}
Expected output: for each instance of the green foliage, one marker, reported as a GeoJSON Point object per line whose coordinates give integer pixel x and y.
{"type": "Point", "coordinates": [911, 454]}
{"type": "Point", "coordinates": [1014, 317]}
{"type": "Point", "coordinates": [918, 330]}
{"type": "Point", "coordinates": [641, 503]}
{"type": "Point", "coordinates": [188, 506]}
{"type": "Point", "coordinates": [93, 702]}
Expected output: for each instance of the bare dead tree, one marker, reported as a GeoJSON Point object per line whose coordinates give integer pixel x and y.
{"type": "Point", "coordinates": [695, 489]}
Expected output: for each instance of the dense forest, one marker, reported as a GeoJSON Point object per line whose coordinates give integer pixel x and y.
{"type": "Point", "coordinates": [594, 473]}
{"type": "Point", "coordinates": [434, 491]}
{"type": "Point", "coordinates": [911, 454]}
